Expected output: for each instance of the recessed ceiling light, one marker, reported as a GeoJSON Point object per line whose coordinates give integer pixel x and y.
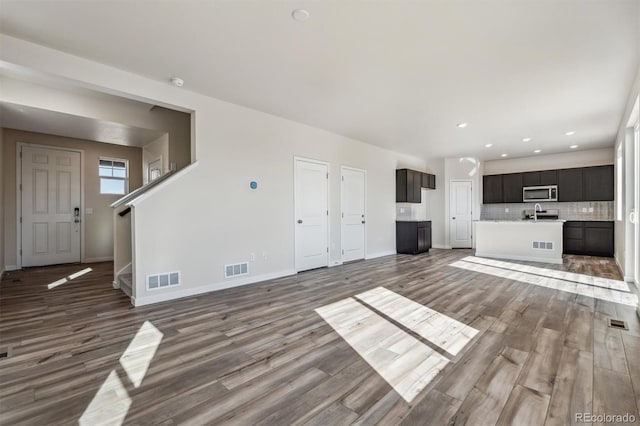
{"type": "Point", "coordinates": [300, 15]}
{"type": "Point", "coordinates": [177, 81]}
{"type": "Point", "coordinates": [573, 146]}
{"type": "Point", "coordinates": [526, 140]}
{"type": "Point", "coordinates": [504, 155]}
{"type": "Point", "coordinates": [462, 125]}
{"type": "Point", "coordinates": [571, 133]}
{"type": "Point", "coordinates": [536, 151]}
{"type": "Point", "coordinates": [489, 145]}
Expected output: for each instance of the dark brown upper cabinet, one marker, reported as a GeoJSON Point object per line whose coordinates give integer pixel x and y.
{"type": "Point", "coordinates": [597, 183]}
{"type": "Point", "coordinates": [428, 181]}
{"type": "Point", "coordinates": [492, 189]}
{"type": "Point", "coordinates": [570, 185]}
{"type": "Point", "coordinates": [408, 186]}
{"type": "Point", "coordinates": [512, 188]}
{"type": "Point", "coordinates": [577, 184]}
{"type": "Point", "coordinates": [542, 178]}
{"type": "Point", "coordinates": [548, 177]}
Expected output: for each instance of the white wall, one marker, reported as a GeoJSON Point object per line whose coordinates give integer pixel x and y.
{"type": "Point", "coordinates": [566, 160]}
{"type": "Point", "coordinates": [462, 168]}
{"type": "Point", "coordinates": [434, 203]}
{"type": "Point", "coordinates": [210, 217]}
{"type": "Point", "coordinates": [2, 233]}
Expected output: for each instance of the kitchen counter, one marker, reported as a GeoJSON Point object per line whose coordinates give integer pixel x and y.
{"type": "Point", "coordinates": [527, 240]}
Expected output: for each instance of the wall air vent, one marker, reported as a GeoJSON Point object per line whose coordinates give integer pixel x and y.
{"type": "Point", "coordinates": [542, 245]}
{"type": "Point", "coordinates": [163, 280]}
{"type": "Point", "coordinates": [236, 269]}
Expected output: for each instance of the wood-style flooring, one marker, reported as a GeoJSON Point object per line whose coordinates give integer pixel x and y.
{"type": "Point", "coordinates": [262, 354]}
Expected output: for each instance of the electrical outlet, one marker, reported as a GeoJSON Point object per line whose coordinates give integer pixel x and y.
{"type": "Point", "coordinates": [506, 209]}
{"type": "Point", "coordinates": [252, 257]}
{"type": "Point", "coordinates": [584, 210]}
{"type": "Point", "coordinates": [590, 209]}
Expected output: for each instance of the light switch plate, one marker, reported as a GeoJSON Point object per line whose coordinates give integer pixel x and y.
{"type": "Point", "coordinates": [584, 210]}
{"type": "Point", "coordinates": [506, 210]}
{"type": "Point", "coordinates": [590, 209]}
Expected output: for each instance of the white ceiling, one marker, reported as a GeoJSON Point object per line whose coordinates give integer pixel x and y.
{"type": "Point", "coordinates": [39, 120]}
{"type": "Point", "coordinates": [399, 74]}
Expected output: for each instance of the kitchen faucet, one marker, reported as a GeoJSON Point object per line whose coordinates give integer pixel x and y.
{"type": "Point", "coordinates": [535, 211]}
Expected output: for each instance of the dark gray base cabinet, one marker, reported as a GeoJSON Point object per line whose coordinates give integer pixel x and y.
{"type": "Point", "coordinates": [590, 238]}
{"type": "Point", "coordinates": [413, 237]}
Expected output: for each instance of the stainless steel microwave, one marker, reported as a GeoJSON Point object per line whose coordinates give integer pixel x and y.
{"type": "Point", "coordinates": [540, 193]}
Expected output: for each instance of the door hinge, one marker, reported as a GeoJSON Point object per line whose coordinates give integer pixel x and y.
{"type": "Point", "coordinates": [327, 249]}
{"type": "Point", "coordinates": [343, 178]}
{"type": "Point", "coordinates": [20, 187]}
{"type": "Point", "coordinates": [342, 251]}
{"type": "Point", "coordinates": [327, 212]}
{"type": "Point", "coordinates": [20, 219]}
{"type": "Point", "coordinates": [343, 214]}
{"type": "Point", "coordinates": [327, 175]}
{"type": "Point", "coordinates": [20, 252]}
{"type": "Point", "coordinates": [20, 154]}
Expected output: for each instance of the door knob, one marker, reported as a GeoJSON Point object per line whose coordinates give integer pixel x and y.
{"type": "Point", "coordinates": [299, 220]}
{"type": "Point", "coordinates": [363, 221]}
{"type": "Point", "coordinates": [453, 218]}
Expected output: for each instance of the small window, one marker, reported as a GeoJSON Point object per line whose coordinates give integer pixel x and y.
{"type": "Point", "coordinates": [113, 176]}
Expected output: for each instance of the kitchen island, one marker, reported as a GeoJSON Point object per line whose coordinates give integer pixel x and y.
{"type": "Point", "coordinates": [527, 240]}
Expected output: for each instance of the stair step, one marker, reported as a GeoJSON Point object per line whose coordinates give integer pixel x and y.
{"type": "Point", "coordinates": [126, 282]}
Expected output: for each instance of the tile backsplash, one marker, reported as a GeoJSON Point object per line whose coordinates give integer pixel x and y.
{"type": "Point", "coordinates": [602, 210]}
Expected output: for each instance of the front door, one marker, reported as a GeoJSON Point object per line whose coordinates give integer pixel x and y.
{"type": "Point", "coordinates": [311, 214]}
{"type": "Point", "coordinates": [50, 206]}
{"type": "Point", "coordinates": [353, 208]}
{"type": "Point", "coordinates": [460, 214]}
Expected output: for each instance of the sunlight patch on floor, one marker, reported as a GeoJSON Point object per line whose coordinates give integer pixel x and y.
{"type": "Point", "coordinates": [109, 406]}
{"type": "Point", "coordinates": [405, 362]}
{"type": "Point", "coordinates": [589, 290]}
{"type": "Point", "coordinates": [111, 403]}
{"type": "Point", "coordinates": [137, 357]}
{"type": "Point", "coordinates": [68, 278]}
{"type": "Point", "coordinates": [553, 273]}
{"type": "Point", "coordinates": [443, 331]}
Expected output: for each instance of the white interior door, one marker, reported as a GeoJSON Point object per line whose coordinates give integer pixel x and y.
{"type": "Point", "coordinates": [353, 203]}
{"type": "Point", "coordinates": [311, 214]}
{"type": "Point", "coordinates": [50, 206]}
{"type": "Point", "coordinates": [460, 214]}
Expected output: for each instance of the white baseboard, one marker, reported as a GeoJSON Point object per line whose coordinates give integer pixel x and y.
{"type": "Point", "coordinates": [524, 258]}
{"type": "Point", "coordinates": [186, 292]}
{"type": "Point", "coordinates": [11, 268]}
{"type": "Point", "coordinates": [115, 285]}
{"type": "Point", "coordinates": [98, 259]}
{"type": "Point", "coordinates": [335, 263]}
{"type": "Point", "coordinates": [380, 254]}
{"type": "Point", "coordinates": [440, 246]}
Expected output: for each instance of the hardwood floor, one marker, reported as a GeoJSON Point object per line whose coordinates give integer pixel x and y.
{"type": "Point", "coordinates": [533, 352]}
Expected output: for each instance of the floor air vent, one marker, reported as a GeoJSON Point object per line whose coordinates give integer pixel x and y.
{"type": "Point", "coordinates": [614, 323]}
{"type": "Point", "coordinates": [166, 279]}
{"type": "Point", "coordinates": [236, 269]}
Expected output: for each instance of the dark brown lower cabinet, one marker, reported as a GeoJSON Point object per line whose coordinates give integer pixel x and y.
{"type": "Point", "coordinates": [413, 237]}
{"type": "Point", "coordinates": [591, 238]}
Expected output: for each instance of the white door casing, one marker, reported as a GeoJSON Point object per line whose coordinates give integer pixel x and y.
{"type": "Point", "coordinates": [460, 220]}
{"type": "Point", "coordinates": [50, 195]}
{"type": "Point", "coordinates": [636, 204]}
{"type": "Point", "coordinates": [311, 214]}
{"type": "Point", "coordinates": [353, 215]}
